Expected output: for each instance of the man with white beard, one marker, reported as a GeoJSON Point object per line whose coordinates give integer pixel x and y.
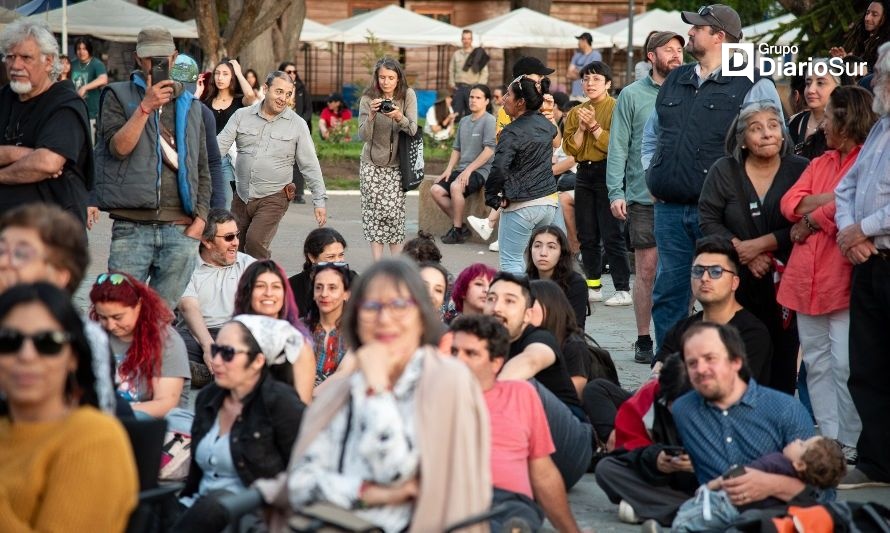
{"type": "Point", "coordinates": [863, 222]}
{"type": "Point", "coordinates": [45, 153]}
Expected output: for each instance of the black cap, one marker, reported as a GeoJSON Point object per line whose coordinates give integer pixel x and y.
{"type": "Point", "coordinates": [561, 100]}
{"type": "Point", "coordinates": [717, 15]}
{"type": "Point", "coordinates": [586, 36]}
{"type": "Point", "coordinates": [530, 65]}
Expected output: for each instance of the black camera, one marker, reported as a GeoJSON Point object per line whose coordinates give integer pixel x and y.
{"type": "Point", "coordinates": [386, 106]}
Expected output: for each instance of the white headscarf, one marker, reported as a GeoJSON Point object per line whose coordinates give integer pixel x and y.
{"type": "Point", "coordinates": [278, 339]}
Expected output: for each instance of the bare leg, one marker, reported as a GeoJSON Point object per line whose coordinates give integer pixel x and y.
{"type": "Point", "coordinates": [646, 263]}
{"type": "Point", "coordinates": [457, 204]}
{"type": "Point", "coordinates": [567, 201]}
{"type": "Point", "coordinates": [394, 248]}
{"type": "Point", "coordinates": [377, 251]}
{"type": "Point", "coordinates": [442, 200]}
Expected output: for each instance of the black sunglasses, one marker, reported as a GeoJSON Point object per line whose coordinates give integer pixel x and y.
{"type": "Point", "coordinates": [45, 342]}
{"type": "Point", "coordinates": [714, 271]}
{"type": "Point", "coordinates": [229, 237]}
{"type": "Point", "coordinates": [339, 265]}
{"type": "Point", "coordinates": [226, 352]}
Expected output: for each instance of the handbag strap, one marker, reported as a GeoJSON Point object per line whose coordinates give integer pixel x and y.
{"type": "Point", "coordinates": [345, 435]}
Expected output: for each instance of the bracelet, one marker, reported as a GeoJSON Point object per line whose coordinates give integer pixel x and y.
{"type": "Point", "coordinates": [809, 224]}
{"type": "Point", "coordinates": [595, 128]}
{"type": "Point", "coordinates": [141, 108]}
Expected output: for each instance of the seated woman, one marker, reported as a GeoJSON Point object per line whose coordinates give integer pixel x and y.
{"type": "Point", "coordinates": [152, 363]}
{"type": "Point", "coordinates": [440, 119]}
{"type": "Point", "coordinates": [263, 290]}
{"type": "Point", "coordinates": [54, 441]}
{"type": "Point", "coordinates": [322, 245]}
{"type": "Point", "coordinates": [331, 282]}
{"type": "Point", "coordinates": [334, 120]}
{"type": "Point", "coordinates": [380, 440]}
{"type": "Point", "coordinates": [548, 256]}
{"type": "Point", "coordinates": [245, 423]}
{"type": "Point", "coordinates": [471, 289]}
{"type": "Point", "coordinates": [435, 277]}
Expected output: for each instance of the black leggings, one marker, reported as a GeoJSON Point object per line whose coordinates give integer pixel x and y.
{"type": "Point", "coordinates": [601, 399]}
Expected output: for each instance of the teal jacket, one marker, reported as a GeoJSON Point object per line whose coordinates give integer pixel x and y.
{"type": "Point", "coordinates": [625, 175]}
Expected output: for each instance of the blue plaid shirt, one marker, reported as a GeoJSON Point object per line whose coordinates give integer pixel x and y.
{"type": "Point", "coordinates": [763, 421]}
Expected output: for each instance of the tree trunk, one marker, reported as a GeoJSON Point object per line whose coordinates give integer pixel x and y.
{"type": "Point", "coordinates": [512, 54]}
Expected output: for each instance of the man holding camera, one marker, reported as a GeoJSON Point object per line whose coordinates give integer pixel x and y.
{"type": "Point", "coordinates": [152, 174]}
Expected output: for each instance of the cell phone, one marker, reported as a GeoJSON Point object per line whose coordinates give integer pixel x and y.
{"type": "Point", "coordinates": [674, 451]}
{"type": "Point", "coordinates": [160, 69]}
{"type": "Point", "coordinates": [736, 471]}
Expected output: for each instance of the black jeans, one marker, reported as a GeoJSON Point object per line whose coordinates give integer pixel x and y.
{"type": "Point", "coordinates": [597, 227]}
{"type": "Point", "coordinates": [870, 363]}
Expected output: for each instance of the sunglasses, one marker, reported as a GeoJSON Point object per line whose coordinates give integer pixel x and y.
{"type": "Point", "coordinates": [714, 271]}
{"type": "Point", "coordinates": [226, 352]}
{"type": "Point", "coordinates": [290, 71]}
{"type": "Point", "coordinates": [339, 265]}
{"type": "Point", "coordinates": [706, 11]}
{"type": "Point", "coordinates": [45, 342]}
{"type": "Point", "coordinates": [113, 277]}
{"type": "Point", "coordinates": [229, 237]}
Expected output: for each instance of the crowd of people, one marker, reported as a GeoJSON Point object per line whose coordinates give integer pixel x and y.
{"type": "Point", "coordinates": [761, 245]}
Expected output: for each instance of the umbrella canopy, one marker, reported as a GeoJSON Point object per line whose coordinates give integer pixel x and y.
{"type": "Point", "coordinates": [113, 20]}
{"type": "Point", "coordinates": [315, 32]}
{"type": "Point", "coordinates": [396, 26]}
{"type": "Point", "coordinates": [764, 31]}
{"type": "Point", "coordinates": [525, 27]}
{"type": "Point", "coordinates": [644, 23]}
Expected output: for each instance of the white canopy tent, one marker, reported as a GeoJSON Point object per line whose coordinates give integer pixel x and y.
{"type": "Point", "coordinates": [525, 27]}
{"type": "Point", "coordinates": [644, 23]}
{"type": "Point", "coordinates": [764, 31]}
{"type": "Point", "coordinates": [315, 32]}
{"type": "Point", "coordinates": [397, 26]}
{"type": "Point", "coordinates": [113, 20]}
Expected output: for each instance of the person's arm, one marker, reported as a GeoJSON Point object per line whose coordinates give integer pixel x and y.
{"type": "Point", "coordinates": [307, 161]}
{"type": "Point", "coordinates": [712, 203]}
{"type": "Point", "coordinates": [214, 159]}
{"type": "Point", "coordinates": [431, 121]}
{"type": "Point", "coordinates": [205, 187]}
{"type": "Point", "coordinates": [536, 357]}
{"type": "Point", "coordinates": [452, 71]}
{"type": "Point", "coordinates": [227, 136]}
{"type": "Point", "coordinates": [550, 493]}
{"type": "Point", "coordinates": [10, 154]}
{"type": "Point", "coordinates": [304, 373]}
{"type": "Point", "coordinates": [366, 120]}
{"type": "Point", "coordinates": [500, 167]}
{"type": "Point", "coordinates": [125, 140]}
{"type": "Point", "coordinates": [650, 140]}
{"type": "Point", "coordinates": [563, 166]}
{"type": "Point", "coordinates": [323, 124]}
{"type": "Point", "coordinates": [248, 92]}
{"type": "Point", "coordinates": [408, 120]}
{"type": "Point", "coordinates": [480, 160]}
{"type": "Point", "coordinates": [756, 485]}
{"type": "Point", "coordinates": [845, 192]}
{"type": "Point", "coordinates": [573, 133]}
{"type": "Point", "coordinates": [100, 81]}
{"type": "Point", "coordinates": [194, 320]}
{"type": "Point", "coordinates": [37, 165]}
{"type": "Point", "coordinates": [166, 393]}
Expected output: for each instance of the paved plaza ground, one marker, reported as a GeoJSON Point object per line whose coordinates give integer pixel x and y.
{"type": "Point", "coordinates": [613, 327]}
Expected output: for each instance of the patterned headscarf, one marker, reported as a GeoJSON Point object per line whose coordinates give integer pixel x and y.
{"type": "Point", "coordinates": [278, 339]}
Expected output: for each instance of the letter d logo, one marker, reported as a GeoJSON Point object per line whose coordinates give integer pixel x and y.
{"type": "Point", "coordinates": [738, 59]}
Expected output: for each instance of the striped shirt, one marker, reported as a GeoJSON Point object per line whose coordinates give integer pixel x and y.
{"type": "Point", "coordinates": [863, 195]}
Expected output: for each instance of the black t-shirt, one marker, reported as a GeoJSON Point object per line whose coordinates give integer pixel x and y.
{"type": "Point", "coordinates": [758, 346]}
{"type": "Point", "coordinates": [555, 377]}
{"type": "Point", "coordinates": [222, 116]}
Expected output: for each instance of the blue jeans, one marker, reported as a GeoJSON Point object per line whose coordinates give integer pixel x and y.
{"type": "Point", "coordinates": [515, 228]}
{"type": "Point", "coordinates": [158, 252]}
{"type": "Point", "coordinates": [228, 172]}
{"type": "Point", "coordinates": [676, 230]}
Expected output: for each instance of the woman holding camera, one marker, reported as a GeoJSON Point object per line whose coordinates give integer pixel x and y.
{"type": "Point", "coordinates": [387, 108]}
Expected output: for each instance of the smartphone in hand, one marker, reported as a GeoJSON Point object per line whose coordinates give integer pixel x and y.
{"type": "Point", "coordinates": [160, 69]}
{"type": "Point", "coordinates": [674, 451]}
{"type": "Point", "coordinates": [735, 471]}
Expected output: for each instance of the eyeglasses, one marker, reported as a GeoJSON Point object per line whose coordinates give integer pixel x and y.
{"type": "Point", "coordinates": [706, 11]}
{"type": "Point", "coordinates": [227, 353]}
{"type": "Point", "coordinates": [368, 310]}
{"type": "Point", "coordinates": [229, 237]}
{"type": "Point", "coordinates": [598, 79]}
{"type": "Point", "coordinates": [290, 71]}
{"type": "Point", "coordinates": [714, 271]}
{"type": "Point", "coordinates": [114, 278]}
{"type": "Point", "coordinates": [19, 255]}
{"type": "Point", "coordinates": [45, 342]}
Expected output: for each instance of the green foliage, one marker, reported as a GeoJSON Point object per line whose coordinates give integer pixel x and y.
{"type": "Point", "coordinates": [352, 150]}
{"type": "Point", "coordinates": [750, 11]}
{"type": "Point", "coordinates": [823, 26]}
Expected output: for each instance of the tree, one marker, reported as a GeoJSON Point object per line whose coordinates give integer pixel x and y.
{"type": "Point", "coordinates": [225, 28]}
{"type": "Point", "coordinates": [282, 38]}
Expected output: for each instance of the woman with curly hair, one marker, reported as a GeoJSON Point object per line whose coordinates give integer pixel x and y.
{"type": "Point", "coordinates": [867, 35]}
{"type": "Point", "coordinates": [263, 290]}
{"type": "Point", "coordinates": [548, 256]}
{"type": "Point", "coordinates": [152, 363]}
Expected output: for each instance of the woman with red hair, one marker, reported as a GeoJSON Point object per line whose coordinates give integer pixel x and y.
{"type": "Point", "coordinates": [152, 364]}
{"type": "Point", "coordinates": [471, 288]}
{"type": "Point", "coordinates": [264, 290]}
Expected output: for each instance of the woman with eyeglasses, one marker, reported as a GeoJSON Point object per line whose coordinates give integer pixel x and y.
{"type": "Point", "coordinates": [388, 108]}
{"type": "Point", "coordinates": [152, 362]}
{"type": "Point", "coordinates": [740, 201]}
{"type": "Point", "coordinates": [64, 466]}
{"type": "Point", "coordinates": [263, 290]}
{"type": "Point", "coordinates": [322, 245]}
{"type": "Point", "coordinates": [521, 178]}
{"type": "Point", "coordinates": [330, 283]}
{"type": "Point", "coordinates": [380, 440]}
{"type": "Point", "coordinates": [548, 256]}
{"type": "Point", "coordinates": [245, 422]}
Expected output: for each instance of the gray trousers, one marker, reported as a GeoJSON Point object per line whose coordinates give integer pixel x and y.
{"type": "Point", "coordinates": [620, 482]}
{"type": "Point", "coordinates": [573, 439]}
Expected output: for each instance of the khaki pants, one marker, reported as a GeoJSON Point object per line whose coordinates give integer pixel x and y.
{"type": "Point", "coordinates": [258, 221]}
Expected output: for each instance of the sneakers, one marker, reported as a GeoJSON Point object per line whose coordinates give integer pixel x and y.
{"type": "Point", "coordinates": [850, 453]}
{"type": "Point", "coordinates": [481, 226]}
{"type": "Point", "coordinates": [857, 479]}
{"type": "Point", "coordinates": [494, 247]}
{"type": "Point", "coordinates": [643, 355]}
{"type": "Point", "coordinates": [619, 298]}
{"type": "Point", "coordinates": [627, 514]}
{"type": "Point", "coordinates": [651, 526]}
{"type": "Point", "coordinates": [200, 374]}
{"type": "Point", "coordinates": [594, 295]}
{"type": "Point", "coordinates": [456, 236]}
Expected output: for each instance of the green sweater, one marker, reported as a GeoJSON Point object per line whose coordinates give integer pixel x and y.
{"type": "Point", "coordinates": [624, 166]}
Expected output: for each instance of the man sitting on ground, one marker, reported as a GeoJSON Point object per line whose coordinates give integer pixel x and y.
{"type": "Point", "coordinates": [522, 472]}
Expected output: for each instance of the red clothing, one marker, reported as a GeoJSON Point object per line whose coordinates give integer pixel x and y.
{"type": "Point", "coordinates": [817, 278]}
{"type": "Point", "coordinates": [635, 417]}
{"type": "Point", "coordinates": [519, 433]}
{"type": "Point", "coordinates": [327, 115]}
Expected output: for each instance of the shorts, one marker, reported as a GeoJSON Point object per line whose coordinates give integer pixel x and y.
{"type": "Point", "coordinates": [641, 225]}
{"type": "Point", "coordinates": [566, 182]}
{"type": "Point", "coordinates": [475, 183]}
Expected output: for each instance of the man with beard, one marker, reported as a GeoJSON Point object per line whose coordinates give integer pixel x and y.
{"type": "Point", "coordinates": [625, 177]}
{"type": "Point", "coordinates": [272, 140]}
{"type": "Point", "coordinates": [209, 298]}
{"type": "Point", "coordinates": [863, 221]}
{"type": "Point", "coordinates": [693, 110]}
{"type": "Point", "coordinates": [45, 153]}
{"type": "Point", "coordinates": [535, 356]}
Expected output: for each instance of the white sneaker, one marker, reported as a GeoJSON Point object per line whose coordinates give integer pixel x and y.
{"type": "Point", "coordinates": [594, 295]}
{"type": "Point", "coordinates": [481, 226]}
{"type": "Point", "coordinates": [619, 298]}
{"type": "Point", "coordinates": [627, 514]}
{"type": "Point", "coordinates": [494, 247]}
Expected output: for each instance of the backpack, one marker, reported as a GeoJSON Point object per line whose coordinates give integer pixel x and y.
{"type": "Point", "coordinates": [602, 365]}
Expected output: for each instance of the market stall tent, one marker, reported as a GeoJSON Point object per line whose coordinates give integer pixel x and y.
{"type": "Point", "coordinates": [525, 27]}
{"type": "Point", "coordinates": [113, 20]}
